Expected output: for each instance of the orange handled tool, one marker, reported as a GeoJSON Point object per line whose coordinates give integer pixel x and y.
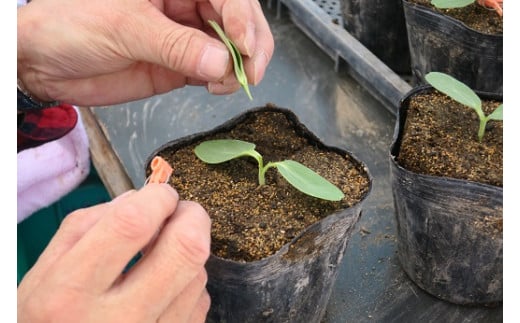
{"type": "Point", "coordinates": [161, 171]}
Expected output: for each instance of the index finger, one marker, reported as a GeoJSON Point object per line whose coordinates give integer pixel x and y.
{"type": "Point", "coordinates": [256, 64]}
{"type": "Point", "coordinates": [175, 259]}
{"type": "Point", "coordinates": [127, 226]}
{"type": "Point", "coordinates": [239, 23]}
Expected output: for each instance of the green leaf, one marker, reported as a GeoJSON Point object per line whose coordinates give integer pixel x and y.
{"type": "Point", "coordinates": [298, 175]}
{"type": "Point", "coordinates": [222, 150]}
{"type": "Point", "coordinates": [445, 4]}
{"type": "Point", "coordinates": [497, 114]}
{"type": "Point", "coordinates": [237, 58]}
{"type": "Point", "coordinates": [307, 181]}
{"type": "Point", "coordinates": [455, 89]}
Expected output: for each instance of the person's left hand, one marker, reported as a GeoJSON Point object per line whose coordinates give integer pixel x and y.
{"type": "Point", "coordinates": [101, 52]}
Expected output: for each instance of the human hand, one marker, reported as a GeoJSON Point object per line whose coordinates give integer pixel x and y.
{"type": "Point", "coordinates": [102, 52]}
{"type": "Point", "coordinates": [78, 276]}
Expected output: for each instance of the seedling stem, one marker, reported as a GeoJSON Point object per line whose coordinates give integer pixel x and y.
{"type": "Point", "coordinates": [237, 58]}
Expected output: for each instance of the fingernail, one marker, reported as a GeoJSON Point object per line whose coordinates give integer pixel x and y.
{"type": "Point", "coordinates": [249, 39]}
{"type": "Point", "coordinates": [219, 88]}
{"type": "Point", "coordinates": [213, 62]}
{"type": "Point", "coordinates": [259, 65]}
{"type": "Point", "coordinates": [170, 188]}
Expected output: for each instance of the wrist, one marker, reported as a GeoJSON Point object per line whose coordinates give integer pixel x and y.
{"type": "Point", "coordinates": [29, 85]}
{"type": "Point", "coordinates": [27, 101]}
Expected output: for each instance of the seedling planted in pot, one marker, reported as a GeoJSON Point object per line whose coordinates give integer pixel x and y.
{"type": "Point", "coordinates": [461, 93]}
{"type": "Point", "coordinates": [447, 4]}
{"type": "Point", "coordinates": [298, 175]}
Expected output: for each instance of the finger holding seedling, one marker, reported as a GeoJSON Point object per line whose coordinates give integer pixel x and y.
{"type": "Point", "coordinates": [238, 65]}
{"type": "Point", "coordinates": [256, 62]}
{"type": "Point", "coordinates": [246, 25]}
{"type": "Point", "coordinates": [249, 41]}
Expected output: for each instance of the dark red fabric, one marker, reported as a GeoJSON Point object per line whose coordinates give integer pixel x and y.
{"type": "Point", "coordinates": [36, 127]}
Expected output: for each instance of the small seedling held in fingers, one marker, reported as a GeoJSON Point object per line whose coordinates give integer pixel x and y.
{"type": "Point", "coordinates": [461, 93]}
{"type": "Point", "coordinates": [298, 175]}
{"type": "Point", "coordinates": [237, 58]}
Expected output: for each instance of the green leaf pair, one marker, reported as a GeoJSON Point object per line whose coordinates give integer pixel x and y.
{"type": "Point", "coordinates": [446, 4]}
{"type": "Point", "coordinates": [449, 4]}
{"type": "Point", "coordinates": [298, 175]}
{"type": "Point", "coordinates": [237, 58]}
{"type": "Point", "coordinates": [463, 94]}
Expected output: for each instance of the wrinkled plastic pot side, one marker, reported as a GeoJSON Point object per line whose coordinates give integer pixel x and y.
{"type": "Point", "coordinates": [440, 43]}
{"type": "Point", "coordinates": [294, 284]}
{"type": "Point", "coordinates": [380, 26]}
{"type": "Point", "coordinates": [442, 245]}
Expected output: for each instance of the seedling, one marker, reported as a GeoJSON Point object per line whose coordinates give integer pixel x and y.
{"type": "Point", "coordinates": [447, 4]}
{"type": "Point", "coordinates": [461, 93]}
{"type": "Point", "coordinates": [298, 175]}
{"type": "Point", "coordinates": [237, 58]}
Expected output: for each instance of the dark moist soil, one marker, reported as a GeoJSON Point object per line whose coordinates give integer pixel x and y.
{"type": "Point", "coordinates": [251, 222]}
{"type": "Point", "coordinates": [474, 16]}
{"type": "Point", "coordinates": [440, 139]}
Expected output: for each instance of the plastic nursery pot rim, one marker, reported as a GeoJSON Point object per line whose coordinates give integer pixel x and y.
{"type": "Point", "coordinates": [439, 42]}
{"type": "Point", "coordinates": [189, 139]}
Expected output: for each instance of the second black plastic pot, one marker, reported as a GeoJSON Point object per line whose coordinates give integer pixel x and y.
{"type": "Point", "coordinates": [295, 283]}
{"type": "Point", "coordinates": [380, 26]}
{"type": "Point", "coordinates": [439, 43]}
{"type": "Point", "coordinates": [445, 243]}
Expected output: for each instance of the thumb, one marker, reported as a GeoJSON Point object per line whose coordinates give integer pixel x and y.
{"type": "Point", "coordinates": [182, 49]}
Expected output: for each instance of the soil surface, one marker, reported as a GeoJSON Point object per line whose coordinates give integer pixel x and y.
{"type": "Point", "coordinates": [475, 16]}
{"type": "Point", "coordinates": [251, 222]}
{"type": "Point", "coordinates": [440, 139]}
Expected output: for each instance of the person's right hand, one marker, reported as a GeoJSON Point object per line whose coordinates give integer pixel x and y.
{"type": "Point", "coordinates": [78, 277]}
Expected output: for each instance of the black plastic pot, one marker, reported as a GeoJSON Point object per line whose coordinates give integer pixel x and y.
{"type": "Point", "coordinates": [295, 283]}
{"type": "Point", "coordinates": [380, 26]}
{"type": "Point", "coordinates": [440, 43]}
{"type": "Point", "coordinates": [442, 245]}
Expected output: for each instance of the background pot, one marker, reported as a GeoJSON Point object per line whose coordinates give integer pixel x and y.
{"type": "Point", "coordinates": [295, 283]}
{"type": "Point", "coordinates": [447, 242]}
{"type": "Point", "coordinates": [442, 44]}
{"type": "Point", "coordinates": [380, 26]}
